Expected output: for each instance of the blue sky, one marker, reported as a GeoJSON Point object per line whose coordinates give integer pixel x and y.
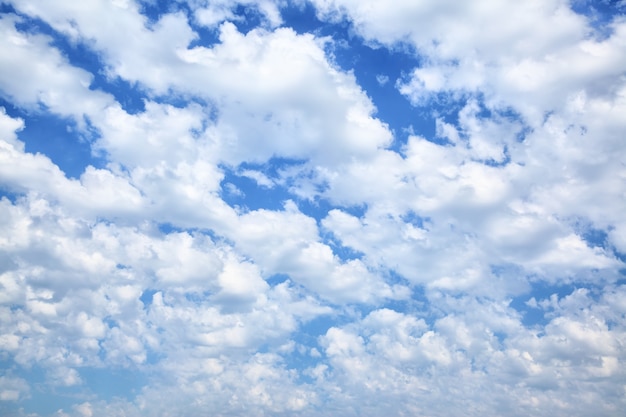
{"type": "Point", "coordinates": [312, 208]}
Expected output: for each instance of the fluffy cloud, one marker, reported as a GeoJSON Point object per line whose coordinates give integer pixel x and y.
{"type": "Point", "coordinates": [211, 13]}
{"type": "Point", "coordinates": [522, 162]}
{"type": "Point", "coordinates": [477, 270]}
{"type": "Point", "coordinates": [47, 79]}
{"type": "Point", "coordinates": [393, 355]}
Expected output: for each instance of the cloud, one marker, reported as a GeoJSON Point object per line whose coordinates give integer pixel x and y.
{"type": "Point", "coordinates": [51, 81]}
{"type": "Point", "coordinates": [295, 249]}
{"type": "Point", "coordinates": [212, 13]}
{"type": "Point", "coordinates": [471, 266]}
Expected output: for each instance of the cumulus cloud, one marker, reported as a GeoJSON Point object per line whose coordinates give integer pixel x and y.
{"type": "Point", "coordinates": [251, 237]}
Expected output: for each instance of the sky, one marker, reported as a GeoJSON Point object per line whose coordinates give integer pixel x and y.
{"type": "Point", "coordinates": [312, 208]}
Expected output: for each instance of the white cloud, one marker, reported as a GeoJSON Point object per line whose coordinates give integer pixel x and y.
{"type": "Point", "coordinates": [490, 190]}
{"type": "Point", "coordinates": [287, 242]}
{"type": "Point", "coordinates": [129, 47]}
{"type": "Point", "coordinates": [390, 353]}
{"type": "Point", "coordinates": [260, 178]}
{"type": "Point", "coordinates": [278, 83]}
{"type": "Point", "coordinates": [97, 190]}
{"type": "Point", "coordinates": [161, 134]}
{"type": "Point", "coordinates": [211, 13]}
{"type": "Point", "coordinates": [10, 127]}
{"type": "Point", "coordinates": [80, 287]}
{"type": "Point", "coordinates": [281, 84]}
{"type": "Point", "coordinates": [140, 264]}
{"type": "Point", "coordinates": [34, 74]}
{"type": "Point", "coordinates": [382, 79]}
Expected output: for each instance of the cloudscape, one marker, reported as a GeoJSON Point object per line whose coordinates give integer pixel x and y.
{"type": "Point", "coordinates": [312, 208]}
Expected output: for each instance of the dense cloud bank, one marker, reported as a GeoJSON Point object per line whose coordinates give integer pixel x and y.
{"type": "Point", "coordinates": [225, 208]}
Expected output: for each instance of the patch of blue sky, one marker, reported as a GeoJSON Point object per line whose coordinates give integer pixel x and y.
{"type": "Point", "coordinates": [522, 128]}
{"type": "Point", "coordinates": [595, 237]}
{"type": "Point", "coordinates": [411, 217]}
{"type": "Point", "coordinates": [531, 316]}
{"type": "Point", "coordinates": [153, 357]}
{"type": "Point", "coordinates": [80, 55]}
{"type": "Point", "coordinates": [242, 191]}
{"type": "Point", "coordinates": [300, 17]}
{"type": "Point", "coordinates": [272, 188]}
{"type": "Point", "coordinates": [345, 253]}
{"type": "Point", "coordinates": [110, 383]}
{"type": "Point", "coordinates": [444, 104]}
{"type": "Point", "coordinates": [451, 113]}
{"type": "Point", "coordinates": [12, 195]}
{"type": "Point", "coordinates": [7, 367]}
{"type": "Point", "coordinates": [167, 228]}
{"type": "Point", "coordinates": [307, 352]}
{"type": "Point", "coordinates": [101, 384]}
{"type": "Point", "coordinates": [357, 210]}
{"type": "Point", "coordinates": [504, 114]}
{"type": "Point", "coordinates": [198, 297]}
{"type": "Point", "coordinates": [7, 263]}
{"type": "Point", "coordinates": [598, 238]}
{"type": "Point", "coordinates": [110, 322]}
{"type": "Point", "coordinates": [154, 10]}
{"type": "Point", "coordinates": [317, 207]}
{"type": "Point", "coordinates": [274, 167]}
{"type": "Point", "coordinates": [6, 8]}
{"type": "Point", "coordinates": [534, 314]}
{"type": "Point", "coordinates": [248, 18]}
{"type": "Point", "coordinates": [600, 14]}
{"type": "Point", "coordinates": [46, 398]}
{"type": "Point", "coordinates": [309, 332]}
{"type": "Point", "coordinates": [377, 71]}
{"type": "Point", "coordinates": [56, 137]}
{"type": "Point", "coordinates": [276, 279]}
{"type": "Point", "coordinates": [146, 297]}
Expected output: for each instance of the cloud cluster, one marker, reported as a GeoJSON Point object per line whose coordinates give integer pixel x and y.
{"type": "Point", "coordinates": [476, 271]}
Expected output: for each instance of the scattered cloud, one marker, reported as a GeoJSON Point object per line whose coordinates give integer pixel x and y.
{"type": "Point", "coordinates": [247, 234]}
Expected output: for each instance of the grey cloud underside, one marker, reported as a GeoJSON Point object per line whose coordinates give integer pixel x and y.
{"type": "Point", "coordinates": [476, 271]}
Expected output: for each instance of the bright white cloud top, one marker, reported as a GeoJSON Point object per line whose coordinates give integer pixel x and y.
{"type": "Point", "coordinates": [312, 208]}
